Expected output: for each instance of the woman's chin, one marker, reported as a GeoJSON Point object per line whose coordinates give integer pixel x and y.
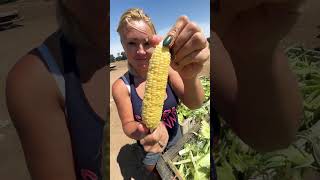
{"type": "Point", "coordinates": [143, 66]}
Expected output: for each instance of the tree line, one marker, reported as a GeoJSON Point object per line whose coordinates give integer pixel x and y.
{"type": "Point", "coordinates": [120, 56]}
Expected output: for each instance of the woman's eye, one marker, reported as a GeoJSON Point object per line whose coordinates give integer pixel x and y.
{"type": "Point", "coordinates": [146, 44]}
{"type": "Point", "coordinates": [131, 43]}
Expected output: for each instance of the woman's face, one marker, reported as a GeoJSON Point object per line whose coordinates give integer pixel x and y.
{"type": "Point", "coordinates": [136, 45]}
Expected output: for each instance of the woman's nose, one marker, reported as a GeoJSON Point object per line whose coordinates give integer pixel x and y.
{"type": "Point", "coordinates": [141, 50]}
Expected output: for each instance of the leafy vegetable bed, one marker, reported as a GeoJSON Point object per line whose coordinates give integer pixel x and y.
{"type": "Point", "coordinates": [235, 160]}
{"type": "Point", "coordinates": [190, 157]}
{"type": "Point", "coordinates": [193, 160]}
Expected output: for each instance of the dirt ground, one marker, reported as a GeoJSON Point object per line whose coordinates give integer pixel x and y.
{"type": "Point", "coordinates": [39, 22]}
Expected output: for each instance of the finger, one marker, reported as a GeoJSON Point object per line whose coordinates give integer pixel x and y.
{"type": "Point", "coordinates": [161, 145]}
{"type": "Point", "coordinates": [187, 35]}
{"type": "Point", "coordinates": [175, 31]}
{"type": "Point", "coordinates": [198, 57]}
{"type": "Point", "coordinates": [155, 40]}
{"type": "Point", "coordinates": [154, 137]}
{"type": "Point", "coordinates": [143, 130]}
{"type": "Point", "coordinates": [149, 140]}
{"type": "Point", "coordinates": [157, 148]}
{"type": "Point", "coordinates": [196, 41]}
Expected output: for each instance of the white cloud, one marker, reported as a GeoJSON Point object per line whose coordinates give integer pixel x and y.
{"type": "Point", "coordinates": [115, 47]}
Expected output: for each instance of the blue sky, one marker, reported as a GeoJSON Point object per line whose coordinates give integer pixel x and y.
{"type": "Point", "coordinates": [163, 13]}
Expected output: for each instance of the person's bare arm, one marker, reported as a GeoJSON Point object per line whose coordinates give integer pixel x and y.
{"type": "Point", "coordinates": [133, 129]}
{"type": "Point", "coordinates": [121, 97]}
{"type": "Point", "coordinates": [35, 109]}
{"type": "Point", "coordinates": [262, 101]}
{"type": "Point", "coordinates": [190, 91]}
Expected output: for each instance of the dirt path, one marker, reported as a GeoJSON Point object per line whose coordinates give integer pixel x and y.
{"type": "Point", "coordinates": [117, 138]}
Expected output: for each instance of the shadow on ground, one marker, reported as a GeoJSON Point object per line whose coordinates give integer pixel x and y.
{"type": "Point", "coordinates": [130, 162]}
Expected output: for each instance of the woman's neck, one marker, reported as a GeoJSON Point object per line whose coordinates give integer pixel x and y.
{"type": "Point", "coordinates": [141, 75]}
{"type": "Point", "coordinates": [90, 61]}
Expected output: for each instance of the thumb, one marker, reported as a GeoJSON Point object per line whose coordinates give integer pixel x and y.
{"type": "Point", "coordinates": [142, 129]}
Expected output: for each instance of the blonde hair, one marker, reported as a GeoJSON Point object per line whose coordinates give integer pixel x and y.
{"type": "Point", "coordinates": [70, 26]}
{"type": "Point", "coordinates": [135, 14]}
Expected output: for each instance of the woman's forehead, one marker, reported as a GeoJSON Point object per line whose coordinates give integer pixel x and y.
{"type": "Point", "coordinates": [137, 30]}
{"type": "Point", "coordinates": [135, 35]}
{"type": "Point", "coordinates": [139, 25]}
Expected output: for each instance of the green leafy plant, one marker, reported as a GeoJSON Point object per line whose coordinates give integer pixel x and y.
{"type": "Point", "coordinates": [235, 160]}
{"type": "Point", "coordinates": [194, 158]}
{"type": "Point", "coordinates": [184, 112]}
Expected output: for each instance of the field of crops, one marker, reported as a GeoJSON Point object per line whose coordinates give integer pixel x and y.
{"type": "Point", "coordinates": [194, 158]}
{"type": "Point", "coordinates": [235, 160]}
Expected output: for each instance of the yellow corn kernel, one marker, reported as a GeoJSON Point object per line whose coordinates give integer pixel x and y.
{"type": "Point", "coordinates": [155, 90]}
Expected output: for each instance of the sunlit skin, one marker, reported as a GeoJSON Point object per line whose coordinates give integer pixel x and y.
{"type": "Point", "coordinates": [137, 46]}
{"type": "Point", "coordinates": [255, 91]}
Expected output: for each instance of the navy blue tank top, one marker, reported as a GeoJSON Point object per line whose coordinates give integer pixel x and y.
{"type": "Point", "coordinates": [169, 111]}
{"type": "Point", "coordinates": [84, 125]}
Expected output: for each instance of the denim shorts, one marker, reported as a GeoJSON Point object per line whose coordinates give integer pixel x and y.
{"type": "Point", "coordinates": [152, 158]}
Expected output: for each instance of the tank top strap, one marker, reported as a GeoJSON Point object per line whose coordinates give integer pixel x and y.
{"type": "Point", "coordinates": [53, 68]}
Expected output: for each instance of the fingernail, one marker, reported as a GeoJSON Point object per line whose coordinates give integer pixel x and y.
{"type": "Point", "coordinates": [167, 41]}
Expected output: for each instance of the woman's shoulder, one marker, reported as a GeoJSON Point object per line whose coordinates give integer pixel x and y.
{"type": "Point", "coordinates": [32, 68]}
{"type": "Point", "coordinates": [32, 63]}
{"type": "Point", "coordinates": [30, 77]}
{"type": "Point", "coordinates": [29, 67]}
{"type": "Point", "coordinates": [119, 88]}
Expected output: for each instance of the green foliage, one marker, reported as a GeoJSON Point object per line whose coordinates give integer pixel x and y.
{"type": "Point", "coordinates": [235, 160]}
{"type": "Point", "coordinates": [185, 113]}
{"type": "Point", "coordinates": [194, 159]}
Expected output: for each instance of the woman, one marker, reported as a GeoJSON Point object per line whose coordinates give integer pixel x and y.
{"type": "Point", "coordinates": [189, 50]}
{"type": "Point", "coordinates": [56, 95]}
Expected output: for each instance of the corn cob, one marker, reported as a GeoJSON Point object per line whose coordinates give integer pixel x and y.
{"type": "Point", "coordinates": [155, 90]}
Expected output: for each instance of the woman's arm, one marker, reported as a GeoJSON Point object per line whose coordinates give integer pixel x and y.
{"type": "Point", "coordinates": [34, 105]}
{"type": "Point", "coordinates": [133, 129]}
{"type": "Point", "coordinates": [121, 97]}
{"type": "Point", "coordinates": [189, 91]}
{"type": "Point", "coordinates": [262, 101]}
